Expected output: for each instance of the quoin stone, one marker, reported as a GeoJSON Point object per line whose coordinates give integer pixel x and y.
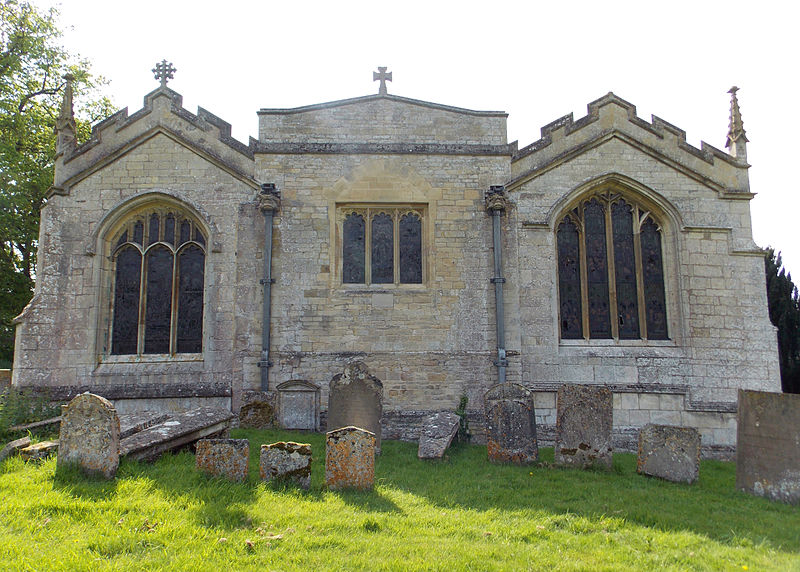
{"type": "Point", "coordinates": [669, 452]}
{"type": "Point", "coordinates": [89, 436]}
{"type": "Point", "coordinates": [583, 426]}
{"type": "Point", "coordinates": [228, 458]}
{"type": "Point", "coordinates": [286, 461]}
{"type": "Point", "coordinates": [438, 431]}
{"type": "Point", "coordinates": [356, 399]}
{"type": "Point", "coordinates": [768, 454]}
{"type": "Point", "coordinates": [349, 458]}
{"type": "Point", "coordinates": [510, 424]}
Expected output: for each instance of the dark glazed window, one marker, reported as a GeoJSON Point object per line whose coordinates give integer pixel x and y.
{"type": "Point", "coordinates": [569, 284]}
{"type": "Point", "coordinates": [162, 313]}
{"type": "Point", "coordinates": [382, 249]}
{"type": "Point", "coordinates": [655, 304]}
{"type": "Point", "coordinates": [410, 249]}
{"type": "Point", "coordinates": [597, 271]}
{"type": "Point", "coordinates": [353, 271]}
{"type": "Point", "coordinates": [625, 270]}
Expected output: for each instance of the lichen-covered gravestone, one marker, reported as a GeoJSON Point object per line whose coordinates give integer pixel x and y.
{"type": "Point", "coordinates": [510, 425]}
{"type": "Point", "coordinates": [349, 458]}
{"type": "Point", "coordinates": [669, 452]}
{"type": "Point", "coordinates": [228, 458]}
{"type": "Point", "coordinates": [257, 412]}
{"type": "Point", "coordinates": [768, 445]}
{"type": "Point", "coordinates": [437, 433]}
{"type": "Point", "coordinates": [583, 426]}
{"type": "Point", "coordinates": [89, 436]}
{"type": "Point", "coordinates": [356, 399]}
{"type": "Point", "coordinates": [286, 460]}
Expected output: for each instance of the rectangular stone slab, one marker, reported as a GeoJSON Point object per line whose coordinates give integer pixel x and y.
{"type": "Point", "coordinates": [438, 431]}
{"type": "Point", "coordinates": [583, 426]}
{"type": "Point", "coordinates": [669, 452]}
{"type": "Point", "coordinates": [349, 458]}
{"type": "Point", "coordinates": [39, 451]}
{"type": "Point", "coordinates": [132, 423]}
{"type": "Point", "coordinates": [14, 447]}
{"type": "Point", "coordinates": [286, 460]}
{"type": "Point", "coordinates": [227, 458]}
{"type": "Point", "coordinates": [176, 432]}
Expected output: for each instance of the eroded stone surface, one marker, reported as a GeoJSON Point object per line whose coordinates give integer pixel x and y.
{"type": "Point", "coordinates": [298, 405]}
{"type": "Point", "coordinates": [669, 452]}
{"type": "Point", "coordinates": [89, 436]}
{"type": "Point", "coordinates": [13, 447]}
{"type": "Point", "coordinates": [39, 451]}
{"type": "Point", "coordinates": [258, 414]}
{"type": "Point", "coordinates": [437, 433]}
{"type": "Point", "coordinates": [132, 423]}
{"type": "Point", "coordinates": [228, 458]}
{"type": "Point", "coordinates": [356, 399]}
{"type": "Point", "coordinates": [349, 458]}
{"type": "Point", "coordinates": [286, 460]}
{"type": "Point", "coordinates": [768, 450]}
{"type": "Point", "coordinates": [583, 426]}
{"type": "Point", "coordinates": [510, 425]}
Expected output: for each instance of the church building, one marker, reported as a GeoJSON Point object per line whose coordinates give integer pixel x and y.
{"type": "Point", "coordinates": [179, 267]}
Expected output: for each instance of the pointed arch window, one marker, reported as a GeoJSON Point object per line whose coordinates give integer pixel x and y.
{"type": "Point", "coordinates": [611, 271]}
{"type": "Point", "coordinates": [158, 260]}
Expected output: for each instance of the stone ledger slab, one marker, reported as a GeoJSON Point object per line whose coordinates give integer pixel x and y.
{"type": "Point", "coordinates": [669, 452]}
{"type": "Point", "coordinates": [356, 399]}
{"type": "Point", "coordinates": [583, 426]}
{"type": "Point", "coordinates": [89, 436]}
{"type": "Point", "coordinates": [438, 431]}
{"type": "Point", "coordinates": [768, 445]}
{"type": "Point", "coordinates": [510, 425]}
{"type": "Point", "coordinates": [227, 458]}
{"type": "Point", "coordinates": [286, 461]}
{"type": "Point", "coordinates": [13, 447]}
{"type": "Point", "coordinates": [39, 451]}
{"type": "Point", "coordinates": [349, 458]}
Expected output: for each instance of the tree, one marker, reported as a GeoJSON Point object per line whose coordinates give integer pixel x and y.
{"type": "Point", "coordinates": [784, 312]}
{"type": "Point", "coordinates": [32, 66]}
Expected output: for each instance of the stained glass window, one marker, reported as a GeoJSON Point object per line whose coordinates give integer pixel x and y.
{"type": "Point", "coordinates": [569, 285]}
{"type": "Point", "coordinates": [597, 270]}
{"type": "Point", "coordinates": [652, 268]}
{"type": "Point", "coordinates": [410, 249]}
{"type": "Point", "coordinates": [382, 249]}
{"type": "Point", "coordinates": [125, 334]}
{"type": "Point", "coordinates": [353, 269]}
{"type": "Point", "coordinates": [625, 271]}
{"type": "Point", "coordinates": [191, 263]}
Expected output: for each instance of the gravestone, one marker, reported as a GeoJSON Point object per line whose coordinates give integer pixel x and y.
{"type": "Point", "coordinates": [349, 458]}
{"type": "Point", "coordinates": [510, 425]}
{"type": "Point", "coordinates": [583, 426]}
{"type": "Point", "coordinates": [286, 460]}
{"type": "Point", "coordinates": [89, 435]}
{"type": "Point", "coordinates": [356, 399]}
{"type": "Point", "coordinates": [228, 458]}
{"type": "Point", "coordinates": [13, 447]}
{"type": "Point", "coordinates": [669, 452]}
{"type": "Point", "coordinates": [768, 445]}
{"type": "Point", "coordinates": [298, 405]}
{"type": "Point", "coordinates": [39, 451]}
{"type": "Point", "coordinates": [437, 433]}
{"type": "Point", "coordinates": [257, 410]}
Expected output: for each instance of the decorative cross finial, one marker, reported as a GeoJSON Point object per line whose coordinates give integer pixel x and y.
{"type": "Point", "coordinates": [164, 71]}
{"type": "Point", "coordinates": [383, 77]}
{"type": "Point", "coordinates": [736, 135]}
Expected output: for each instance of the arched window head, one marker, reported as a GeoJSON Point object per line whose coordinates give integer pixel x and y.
{"type": "Point", "coordinates": [158, 259]}
{"type": "Point", "coordinates": [610, 270]}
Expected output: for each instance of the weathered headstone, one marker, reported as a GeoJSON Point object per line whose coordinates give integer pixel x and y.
{"type": "Point", "coordinates": [298, 405]}
{"type": "Point", "coordinates": [510, 424]}
{"type": "Point", "coordinates": [39, 451]}
{"type": "Point", "coordinates": [356, 399]}
{"type": "Point", "coordinates": [437, 433]}
{"type": "Point", "coordinates": [349, 458]}
{"type": "Point", "coordinates": [286, 460]}
{"type": "Point", "coordinates": [89, 436]}
{"type": "Point", "coordinates": [257, 412]}
{"type": "Point", "coordinates": [14, 447]}
{"type": "Point", "coordinates": [583, 426]}
{"type": "Point", "coordinates": [768, 445]}
{"type": "Point", "coordinates": [669, 452]}
{"type": "Point", "coordinates": [228, 458]}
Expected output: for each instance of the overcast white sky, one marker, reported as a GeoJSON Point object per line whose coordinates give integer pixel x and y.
{"type": "Point", "coordinates": [537, 61]}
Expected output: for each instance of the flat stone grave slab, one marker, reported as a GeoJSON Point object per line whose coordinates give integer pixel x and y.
{"type": "Point", "coordinates": [89, 436]}
{"type": "Point", "coordinates": [768, 445]}
{"type": "Point", "coordinates": [356, 400]}
{"type": "Point", "coordinates": [181, 429]}
{"type": "Point", "coordinates": [36, 424]}
{"type": "Point", "coordinates": [132, 423]}
{"type": "Point", "coordinates": [227, 458]}
{"type": "Point", "coordinates": [349, 458]}
{"type": "Point", "coordinates": [583, 426]}
{"type": "Point", "coordinates": [438, 431]}
{"type": "Point", "coordinates": [13, 447]}
{"type": "Point", "coordinates": [669, 452]}
{"type": "Point", "coordinates": [39, 451]}
{"type": "Point", "coordinates": [510, 425]}
{"type": "Point", "coordinates": [286, 461]}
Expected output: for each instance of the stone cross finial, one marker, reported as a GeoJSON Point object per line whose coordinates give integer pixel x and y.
{"type": "Point", "coordinates": [736, 136]}
{"type": "Point", "coordinates": [383, 77]}
{"type": "Point", "coordinates": [164, 71]}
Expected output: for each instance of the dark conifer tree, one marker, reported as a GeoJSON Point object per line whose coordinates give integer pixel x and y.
{"type": "Point", "coordinates": [784, 312]}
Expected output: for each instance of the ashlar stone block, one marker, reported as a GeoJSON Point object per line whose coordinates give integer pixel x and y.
{"type": "Point", "coordinates": [349, 458]}
{"type": "Point", "coordinates": [669, 452]}
{"type": "Point", "coordinates": [286, 461]}
{"type": "Point", "coordinates": [584, 418]}
{"type": "Point", "coordinates": [438, 431]}
{"type": "Point", "coordinates": [228, 458]}
{"type": "Point", "coordinates": [510, 424]}
{"type": "Point", "coordinates": [89, 436]}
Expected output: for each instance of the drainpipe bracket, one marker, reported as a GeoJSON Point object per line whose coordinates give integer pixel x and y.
{"type": "Point", "coordinates": [501, 363]}
{"type": "Point", "coordinates": [267, 281]}
{"type": "Point", "coordinates": [263, 363]}
{"type": "Point", "coordinates": [497, 280]}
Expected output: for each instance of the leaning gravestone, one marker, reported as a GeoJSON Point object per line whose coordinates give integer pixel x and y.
{"type": "Point", "coordinates": [286, 461]}
{"type": "Point", "coordinates": [584, 417]}
{"type": "Point", "coordinates": [356, 399]}
{"type": "Point", "coordinates": [349, 458]}
{"type": "Point", "coordinates": [510, 424]}
{"type": "Point", "coordinates": [89, 435]}
{"type": "Point", "coordinates": [768, 445]}
{"type": "Point", "coordinates": [669, 452]}
{"type": "Point", "coordinates": [228, 458]}
{"type": "Point", "coordinates": [437, 433]}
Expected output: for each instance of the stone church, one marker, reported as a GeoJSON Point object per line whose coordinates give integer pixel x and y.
{"type": "Point", "coordinates": [180, 267]}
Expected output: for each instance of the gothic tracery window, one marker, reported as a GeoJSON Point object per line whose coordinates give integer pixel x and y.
{"type": "Point", "coordinates": [157, 301]}
{"type": "Point", "coordinates": [610, 271]}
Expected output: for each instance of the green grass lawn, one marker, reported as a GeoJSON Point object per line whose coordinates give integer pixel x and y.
{"type": "Point", "coordinates": [462, 513]}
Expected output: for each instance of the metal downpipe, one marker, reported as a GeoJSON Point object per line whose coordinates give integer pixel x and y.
{"type": "Point", "coordinates": [496, 204]}
{"type": "Point", "coordinates": [269, 202]}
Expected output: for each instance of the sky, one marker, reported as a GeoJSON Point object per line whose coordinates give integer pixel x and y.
{"type": "Point", "coordinates": [536, 61]}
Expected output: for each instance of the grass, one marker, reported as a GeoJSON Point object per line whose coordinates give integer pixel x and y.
{"type": "Point", "coordinates": [462, 513]}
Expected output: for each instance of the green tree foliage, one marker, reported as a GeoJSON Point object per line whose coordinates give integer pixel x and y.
{"type": "Point", "coordinates": [32, 66]}
{"type": "Point", "coordinates": [784, 311]}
